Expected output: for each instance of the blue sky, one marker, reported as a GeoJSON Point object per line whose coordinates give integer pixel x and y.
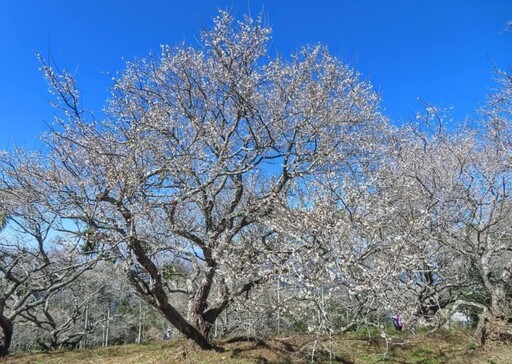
{"type": "Point", "coordinates": [440, 50]}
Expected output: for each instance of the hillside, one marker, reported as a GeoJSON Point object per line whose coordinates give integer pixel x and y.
{"type": "Point", "coordinates": [358, 347]}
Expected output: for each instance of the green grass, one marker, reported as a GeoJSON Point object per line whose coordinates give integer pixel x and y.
{"type": "Point", "coordinates": [352, 348]}
{"type": "Point", "coordinates": [424, 356]}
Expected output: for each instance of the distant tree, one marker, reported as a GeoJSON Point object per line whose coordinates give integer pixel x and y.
{"type": "Point", "coordinates": [196, 149]}
{"type": "Point", "coordinates": [422, 228]}
{"type": "Point", "coordinates": [98, 308]}
{"type": "Point", "coordinates": [460, 184]}
{"type": "Point", "coordinates": [34, 261]}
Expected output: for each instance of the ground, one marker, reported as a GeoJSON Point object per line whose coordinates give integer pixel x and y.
{"type": "Point", "coordinates": [355, 347]}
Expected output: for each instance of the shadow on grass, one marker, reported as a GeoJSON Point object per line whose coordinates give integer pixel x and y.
{"type": "Point", "coordinates": [273, 351]}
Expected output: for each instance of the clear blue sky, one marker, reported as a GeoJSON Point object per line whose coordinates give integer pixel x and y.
{"type": "Point", "coordinates": [439, 50]}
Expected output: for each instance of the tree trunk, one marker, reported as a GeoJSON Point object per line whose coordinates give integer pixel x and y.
{"type": "Point", "coordinates": [480, 334]}
{"type": "Point", "coordinates": [495, 322]}
{"type": "Point", "coordinates": [201, 324]}
{"type": "Point", "coordinates": [197, 334]}
{"type": "Point", "coordinates": [499, 305]}
{"type": "Point", "coordinates": [107, 331]}
{"type": "Point", "coordinates": [198, 328]}
{"type": "Point", "coordinates": [139, 335]}
{"type": "Point", "coordinates": [6, 338]}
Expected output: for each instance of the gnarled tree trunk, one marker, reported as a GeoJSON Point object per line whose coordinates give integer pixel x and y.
{"type": "Point", "coordinates": [6, 337]}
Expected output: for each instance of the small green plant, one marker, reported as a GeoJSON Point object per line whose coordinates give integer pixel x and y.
{"type": "Point", "coordinates": [471, 345]}
{"type": "Point", "coordinates": [427, 361]}
{"type": "Point", "coordinates": [422, 352]}
{"type": "Point", "coordinates": [386, 359]}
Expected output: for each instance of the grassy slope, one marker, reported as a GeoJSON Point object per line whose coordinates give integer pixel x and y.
{"type": "Point", "coordinates": [447, 347]}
